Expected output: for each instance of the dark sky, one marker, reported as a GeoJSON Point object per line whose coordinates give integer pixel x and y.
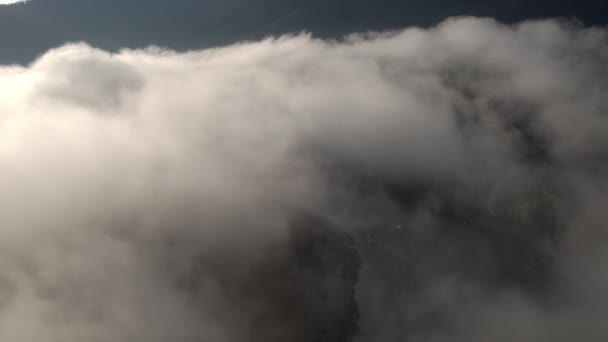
{"type": "Point", "coordinates": [29, 29]}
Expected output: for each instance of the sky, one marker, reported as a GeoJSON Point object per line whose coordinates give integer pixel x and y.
{"type": "Point", "coordinates": [420, 183]}
{"type": "Point", "coordinates": [29, 30]}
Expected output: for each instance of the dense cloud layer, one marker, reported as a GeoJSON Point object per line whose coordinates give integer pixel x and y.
{"type": "Point", "coordinates": [117, 168]}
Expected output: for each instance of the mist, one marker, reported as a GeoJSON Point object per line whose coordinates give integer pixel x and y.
{"type": "Point", "coordinates": [142, 189]}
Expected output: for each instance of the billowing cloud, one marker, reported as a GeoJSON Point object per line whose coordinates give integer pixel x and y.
{"type": "Point", "coordinates": [123, 171]}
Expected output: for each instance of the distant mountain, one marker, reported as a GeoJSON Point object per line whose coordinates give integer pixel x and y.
{"type": "Point", "coordinates": [28, 29]}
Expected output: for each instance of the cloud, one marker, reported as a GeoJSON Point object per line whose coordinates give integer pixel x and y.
{"type": "Point", "coordinates": [122, 171]}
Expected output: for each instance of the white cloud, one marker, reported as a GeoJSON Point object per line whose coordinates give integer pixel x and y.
{"type": "Point", "coordinates": [8, 2]}
{"type": "Point", "coordinates": [103, 153]}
